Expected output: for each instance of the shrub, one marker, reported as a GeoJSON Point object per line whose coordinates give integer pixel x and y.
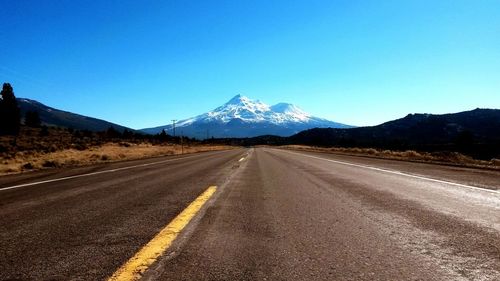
{"type": "Point", "coordinates": [495, 162]}
{"type": "Point", "coordinates": [371, 151]}
{"type": "Point", "coordinates": [28, 166]}
{"type": "Point", "coordinates": [80, 146]}
{"type": "Point", "coordinates": [44, 131]}
{"type": "Point", "coordinates": [32, 119]}
{"type": "Point", "coordinates": [53, 148]}
{"type": "Point", "coordinates": [412, 154]}
{"type": "Point", "coordinates": [50, 164]}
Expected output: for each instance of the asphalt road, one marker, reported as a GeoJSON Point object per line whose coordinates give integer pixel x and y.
{"type": "Point", "coordinates": [276, 215]}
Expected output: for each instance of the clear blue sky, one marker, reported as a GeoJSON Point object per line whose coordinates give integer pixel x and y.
{"type": "Point", "coordinates": [142, 63]}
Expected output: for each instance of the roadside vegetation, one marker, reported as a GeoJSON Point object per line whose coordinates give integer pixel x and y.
{"type": "Point", "coordinates": [26, 144]}
{"type": "Point", "coordinates": [50, 147]}
{"type": "Point", "coordinates": [443, 157]}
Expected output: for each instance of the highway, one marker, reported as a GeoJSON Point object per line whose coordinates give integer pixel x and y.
{"type": "Point", "coordinates": [252, 214]}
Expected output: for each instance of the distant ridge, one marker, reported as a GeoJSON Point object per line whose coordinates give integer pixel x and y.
{"type": "Point", "coordinates": [475, 132]}
{"type": "Point", "coordinates": [55, 117]}
{"type": "Point", "coordinates": [244, 117]}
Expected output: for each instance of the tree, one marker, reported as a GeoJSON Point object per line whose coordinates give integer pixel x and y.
{"type": "Point", "coordinates": [162, 136]}
{"type": "Point", "coordinates": [127, 134]}
{"type": "Point", "coordinates": [464, 138]}
{"type": "Point", "coordinates": [44, 131]}
{"type": "Point", "coordinates": [32, 119]}
{"type": "Point", "coordinates": [10, 115]}
{"type": "Point", "coordinates": [112, 133]}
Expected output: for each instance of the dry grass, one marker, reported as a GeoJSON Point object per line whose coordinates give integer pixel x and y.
{"type": "Point", "coordinates": [30, 160]}
{"type": "Point", "coordinates": [453, 158]}
{"type": "Point", "coordinates": [58, 147]}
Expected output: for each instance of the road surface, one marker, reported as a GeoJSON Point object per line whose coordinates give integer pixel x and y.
{"type": "Point", "coordinates": [275, 215]}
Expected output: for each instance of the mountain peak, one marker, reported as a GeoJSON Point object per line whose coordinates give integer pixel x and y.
{"type": "Point", "coordinates": [238, 99]}
{"type": "Point", "coordinates": [245, 117]}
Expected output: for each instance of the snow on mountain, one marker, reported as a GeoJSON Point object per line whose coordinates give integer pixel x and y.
{"type": "Point", "coordinates": [245, 109]}
{"type": "Point", "coordinates": [239, 107]}
{"type": "Point", "coordinates": [244, 117]}
{"type": "Point", "coordinates": [286, 112]}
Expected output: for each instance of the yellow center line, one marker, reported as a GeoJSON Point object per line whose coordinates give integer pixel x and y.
{"type": "Point", "coordinates": [140, 262]}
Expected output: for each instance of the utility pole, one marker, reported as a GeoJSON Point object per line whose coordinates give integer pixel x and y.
{"type": "Point", "coordinates": [182, 143]}
{"type": "Point", "coordinates": [173, 125]}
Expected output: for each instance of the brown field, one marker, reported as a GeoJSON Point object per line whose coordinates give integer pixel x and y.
{"type": "Point", "coordinates": [104, 153]}
{"type": "Point", "coordinates": [61, 148]}
{"type": "Point", "coordinates": [449, 158]}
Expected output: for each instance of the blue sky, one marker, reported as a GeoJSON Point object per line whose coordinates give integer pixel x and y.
{"type": "Point", "coordinates": [143, 63]}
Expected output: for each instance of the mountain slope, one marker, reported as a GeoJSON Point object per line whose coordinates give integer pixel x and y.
{"type": "Point", "coordinates": [243, 117]}
{"type": "Point", "coordinates": [55, 117]}
{"type": "Point", "coordinates": [475, 132]}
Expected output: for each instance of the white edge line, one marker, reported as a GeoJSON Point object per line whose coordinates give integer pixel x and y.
{"type": "Point", "coordinates": [399, 173]}
{"type": "Point", "coordinates": [94, 173]}
{"type": "Point", "coordinates": [242, 158]}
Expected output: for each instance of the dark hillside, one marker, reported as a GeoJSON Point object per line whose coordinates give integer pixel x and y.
{"type": "Point", "coordinates": [475, 132]}
{"type": "Point", "coordinates": [55, 117]}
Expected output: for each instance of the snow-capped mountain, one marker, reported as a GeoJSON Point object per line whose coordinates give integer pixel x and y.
{"type": "Point", "coordinates": [243, 117]}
